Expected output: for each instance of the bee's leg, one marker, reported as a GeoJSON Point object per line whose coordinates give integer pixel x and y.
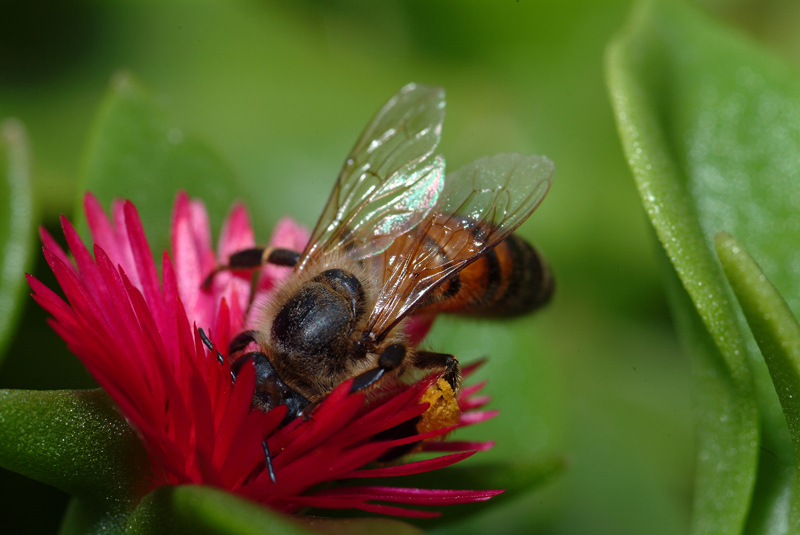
{"type": "Point", "coordinates": [249, 259]}
{"type": "Point", "coordinates": [428, 360]}
{"type": "Point", "coordinates": [268, 461]}
{"type": "Point", "coordinates": [422, 360]}
{"type": "Point", "coordinates": [241, 341]}
{"type": "Point", "coordinates": [309, 409]}
{"type": "Point", "coordinates": [209, 345]}
{"type": "Point", "coordinates": [270, 391]}
{"type": "Point", "coordinates": [390, 359]}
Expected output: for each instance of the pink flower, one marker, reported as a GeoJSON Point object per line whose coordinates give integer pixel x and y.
{"type": "Point", "coordinates": [138, 336]}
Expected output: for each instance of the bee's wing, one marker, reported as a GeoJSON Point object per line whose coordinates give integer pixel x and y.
{"type": "Point", "coordinates": [390, 180]}
{"type": "Point", "coordinates": [480, 206]}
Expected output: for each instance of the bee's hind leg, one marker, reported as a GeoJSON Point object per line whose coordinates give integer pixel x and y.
{"type": "Point", "coordinates": [429, 360]}
{"type": "Point", "coordinates": [249, 259]}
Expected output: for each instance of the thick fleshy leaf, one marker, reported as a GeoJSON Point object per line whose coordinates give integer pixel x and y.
{"type": "Point", "coordinates": [138, 152]}
{"type": "Point", "coordinates": [708, 123]}
{"type": "Point", "coordinates": [192, 509]}
{"type": "Point", "coordinates": [776, 331]}
{"type": "Point", "coordinates": [75, 441]}
{"type": "Point", "coordinates": [16, 225]}
{"type": "Point", "coordinates": [724, 421]}
{"type": "Point", "coordinates": [92, 517]}
{"type": "Point", "coordinates": [358, 526]}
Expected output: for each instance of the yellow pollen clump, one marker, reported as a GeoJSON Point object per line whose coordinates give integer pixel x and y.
{"type": "Point", "coordinates": [443, 411]}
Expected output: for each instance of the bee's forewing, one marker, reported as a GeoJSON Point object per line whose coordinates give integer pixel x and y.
{"type": "Point", "coordinates": [390, 181]}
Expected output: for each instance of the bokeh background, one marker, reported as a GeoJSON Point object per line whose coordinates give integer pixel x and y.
{"type": "Point", "coordinates": [281, 90]}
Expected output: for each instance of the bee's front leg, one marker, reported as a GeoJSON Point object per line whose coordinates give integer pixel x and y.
{"type": "Point", "coordinates": [250, 259]}
{"type": "Point", "coordinates": [390, 359]}
{"type": "Point", "coordinates": [429, 360]}
{"type": "Point", "coordinates": [270, 390]}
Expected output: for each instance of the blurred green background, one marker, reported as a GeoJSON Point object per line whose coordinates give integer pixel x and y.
{"type": "Point", "coordinates": [282, 89]}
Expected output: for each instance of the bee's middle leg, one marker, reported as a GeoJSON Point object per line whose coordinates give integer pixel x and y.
{"type": "Point", "coordinates": [254, 258]}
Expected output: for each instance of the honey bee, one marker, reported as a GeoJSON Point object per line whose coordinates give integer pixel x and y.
{"type": "Point", "coordinates": [397, 237]}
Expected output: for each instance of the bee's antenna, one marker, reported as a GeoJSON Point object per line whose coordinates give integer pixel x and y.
{"type": "Point", "coordinates": [268, 461]}
{"type": "Point", "coordinates": [209, 345]}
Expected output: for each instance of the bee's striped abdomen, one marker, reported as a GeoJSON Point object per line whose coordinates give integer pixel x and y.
{"type": "Point", "coordinates": [510, 280]}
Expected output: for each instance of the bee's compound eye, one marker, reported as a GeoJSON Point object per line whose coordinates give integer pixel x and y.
{"type": "Point", "coordinates": [311, 321]}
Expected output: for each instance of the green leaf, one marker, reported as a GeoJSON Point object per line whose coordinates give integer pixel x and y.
{"type": "Point", "coordinates": [75, 441]}
{"type": "Point", "coordinates": [17, 225]}
{"type": "Point", "coordinates": [357, 526]}
{"type": "Point", "coordinates": [709, 125]}
{"type": "Point", "coordinates": [137, 152]}
{"type": "Point", "coordinates": [194, 509]}
{"type": "Point", "coordinates": [776, 330]}
{"type": "Point", "coordinates": [725, 426]}
{"type": "Point", "coordinates": [90, 517]}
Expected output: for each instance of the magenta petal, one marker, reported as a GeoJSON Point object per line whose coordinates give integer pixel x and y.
{"type": "Point", "coordinates": [192, 264]}
{"type": "Point", "coordinates": [237, 407]}
{"type": "Point", "coordinates": [192, 214]}
{"type": "Point", "coordinates": [102, 231]}
{"type": "Point", "coordinates": [245, 451]}
{"type": "Point", "coordinates": [397, 511]}
{"type": "Point", "coordinates": [456, 445]}
{"type": "Point", "coordinates": [172, 304]}
{"type": "Point", "coordinates": [289, 235]}
{"type": "Point", "coordinates": [319, 428]}
{"type": "Point", "coordinates": [475, 402]}
{"type": "Point", "coordinates": [55, 248]}
{"type": "Point", "coordinates": [320, 465]}
{"type": "Point", "coordinates": [48, 296]}
{"type": "Point", "coordinates": [468, 391]}
{"type": "Point", "coordinates": [417, 328]}
{"type": "Point", "coordinates": [113, 238]}
{"type": "Point", "coordinates": [202, 418]}
{"type": "Point", "coordinates": [408, 469]}
{"type": "Point", "coordinates": [201, 225]}
{"type": "Point", "coordinates": [145, 267]}
{"type": "Point", "coordinates": [237, 233]}
{"type": "Point", "coordinates": [470, 418]}
{"type": "Point", "coordinates": [374, 422]}
{"type": "Point", "coordinates": [422, 436]}
{"type": "Point", "coordinates": [236, 292]}
{"type": "Point", "coordinates": [412, 496]}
